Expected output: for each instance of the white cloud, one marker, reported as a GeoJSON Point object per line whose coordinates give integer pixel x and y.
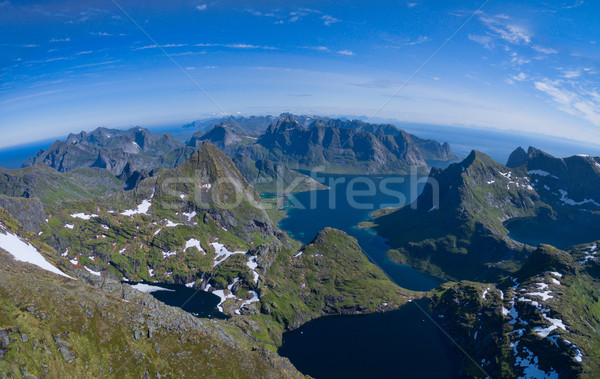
{"type": "Point", "coordinates": [345, 52]}
{"type": "Point", "coordinates": [544, 50]}
{"type": "Point", "coordinates": [163, 46]}
{"type": "Point", "coordinates": [517, 60]}
{"type": "Point", "coordinates": [509, 32]}
{"type": "Point", "coordinates": [411, 5]}
{"type": "Point", "coordinates": [571, 74]}
{"type": "Point", "coordinates": [418, 41]}
{"type": "Point", "coordinates": [60, 39]}
{"type": "Point", "coordinates": [102, 34]}
{"type": "Point", "coordinates": [247, 46]}
{"type": "Point", "coordinates": [579, 105]}
{"type": "Point", "coordinates": [201, 7]}
{"type": "Point", "coordinates": [520, 77]}
{"type": "Point", "coordinates": [328, 20]}
{"type": "Point", "coordinates": [486, 41]}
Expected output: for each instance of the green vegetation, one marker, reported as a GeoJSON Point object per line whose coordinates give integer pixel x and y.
{"type": "Point", "coordinates": [463, 235]}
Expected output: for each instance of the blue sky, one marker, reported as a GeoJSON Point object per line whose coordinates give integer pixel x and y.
{"type": "Point", "coordinates": [517, 65]}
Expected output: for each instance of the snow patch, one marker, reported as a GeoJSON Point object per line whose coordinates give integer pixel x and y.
{"type": "Point", "coordinates": [565, 199]}
{"type": "Point", "coordinates": [146, 288]}
{"type": "Point", "coordinates": [141, 209]}
{"type": "Point", "coordinates": [192, 242]}
{"type": "Point", "coordinates": [190, 215]}
{"type": "Point", "coordinates": [69, 226]}
{"type": "Point", "coordinates": [554, 324]}
{"type": "Point", "coordinates": [83, 216]}
{"type": "Point", "coordinates": [223, 253]}
{"type": "Point", "coordinates": [254, 299]}
{"type": "Point", "coordinates": [171, 224]}
{"type": "Point", "coordinates": [253, 264]}
{"type": "Point", "coordinates": [25, 252]}
{"type": "Point", "coordinates": [97, 273]}
{"type": "Point", "coordinates": [539, 172]}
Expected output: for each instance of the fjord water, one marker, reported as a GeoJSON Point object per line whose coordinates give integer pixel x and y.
{"type": "Point", "coordinates": [403, 343]}
{"type": "Point", "coordinates": [342, 208]}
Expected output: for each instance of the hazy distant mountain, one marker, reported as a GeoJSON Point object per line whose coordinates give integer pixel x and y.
{"type": "Point", "coordinates": [270, 177]}
{"type": "Point", "coordinates": [111, 149]}
{"type": "Point", "coordinates": [252, 125]}
{"type": "Point", "coordinates": [341, 150]}
{"type": "Point", "coordinates": [430, 149]}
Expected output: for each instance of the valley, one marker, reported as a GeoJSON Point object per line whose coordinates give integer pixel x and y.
{"type": "Point", "coordinates": [224, 228]}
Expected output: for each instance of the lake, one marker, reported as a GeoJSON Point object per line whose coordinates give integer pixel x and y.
{"type": "Point", "coordinates": [400, 344]}
{"type": "Point", "coordinates": [403, 343]}
{"type": "Point", "coordinates": [560, 234]}
{"type": "Point", "coordinates": [196, 302]}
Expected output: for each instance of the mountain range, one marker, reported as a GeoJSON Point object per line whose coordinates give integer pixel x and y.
{"type": "Point", "coordinates": [457, 227]}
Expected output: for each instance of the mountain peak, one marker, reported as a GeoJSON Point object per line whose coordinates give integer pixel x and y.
{"type": "Point", "coordinates": [517, 158]}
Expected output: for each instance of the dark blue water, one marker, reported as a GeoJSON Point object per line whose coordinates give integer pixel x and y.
{"type": "Point", "coordinates": [347, 203]}
{"type": "Point", "coordinates": [560, 234]}
{"type": "Point", "coordinates": [196, 302]}
{"type": "Point", "coordinates": [398, 344]}
{"type": "Point", "coordinates": [403, 343]}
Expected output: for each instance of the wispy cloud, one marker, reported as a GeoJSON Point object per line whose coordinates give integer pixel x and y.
{"type": "Point", "coordinates": [571, 74]}
{"type": "Point", "coordinates": [544, 50]}
{"type": "Point", "coordinates": [53, 40]}
{"type": "Point", "coordinates": [484, 40]}
{"type": "Point", "coordinates": [520, 77]}
{"type": "Point", "coordinates": [346, 52]}
{"type": "Point", "coordinates": [102, 34]}
{"type": "Point", "coordinates": [163, 46]}
{"type": "Point", "coordinates": [201, 7]}
{"type": "Point", "coordinates": [105, 63]}
{"type": "Point", "coordinates": [236, 46]}
{"type": "Point", "coordinates": [508, 31]}
{"type": "Point", "coordinates": [247, 46]}
{"type": "Point", "coordinates": [328, 20]}
{"type": "Point", "coordinates": [581, 104]}
{"type": "Point", "coordinates": [295, 15]}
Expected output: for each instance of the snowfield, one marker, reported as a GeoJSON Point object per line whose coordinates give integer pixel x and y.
{"type": "Point", "coordinates": [146, 288]}
{"type": "Point", "coordinates": [143, 209]}
{"type": "Point", "coordinates": [25, 252]}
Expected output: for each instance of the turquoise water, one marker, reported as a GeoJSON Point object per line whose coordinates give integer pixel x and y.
{"type": "Point", "coordinates": [402, 343]}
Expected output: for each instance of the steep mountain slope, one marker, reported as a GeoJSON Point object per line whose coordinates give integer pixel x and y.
{"type": "Point", "coordinates": [560, 181]}
{"type": "Point", "coordinates": [430, 149]}
{"type": "Point", "coordinates": [48, 185]}
{"type": "Point", "coordinates": [541, 322]}
{"type": "Point", "coordinates": [336, 149]}
{"type": "Point", "coordinates": [201, 224]}
{"type": "Point", "coordinates": [227, 136]}
{"type": "Point", "coordinates": [455, 227]}
{"type": "Point", "coordinates": [51, 325]}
